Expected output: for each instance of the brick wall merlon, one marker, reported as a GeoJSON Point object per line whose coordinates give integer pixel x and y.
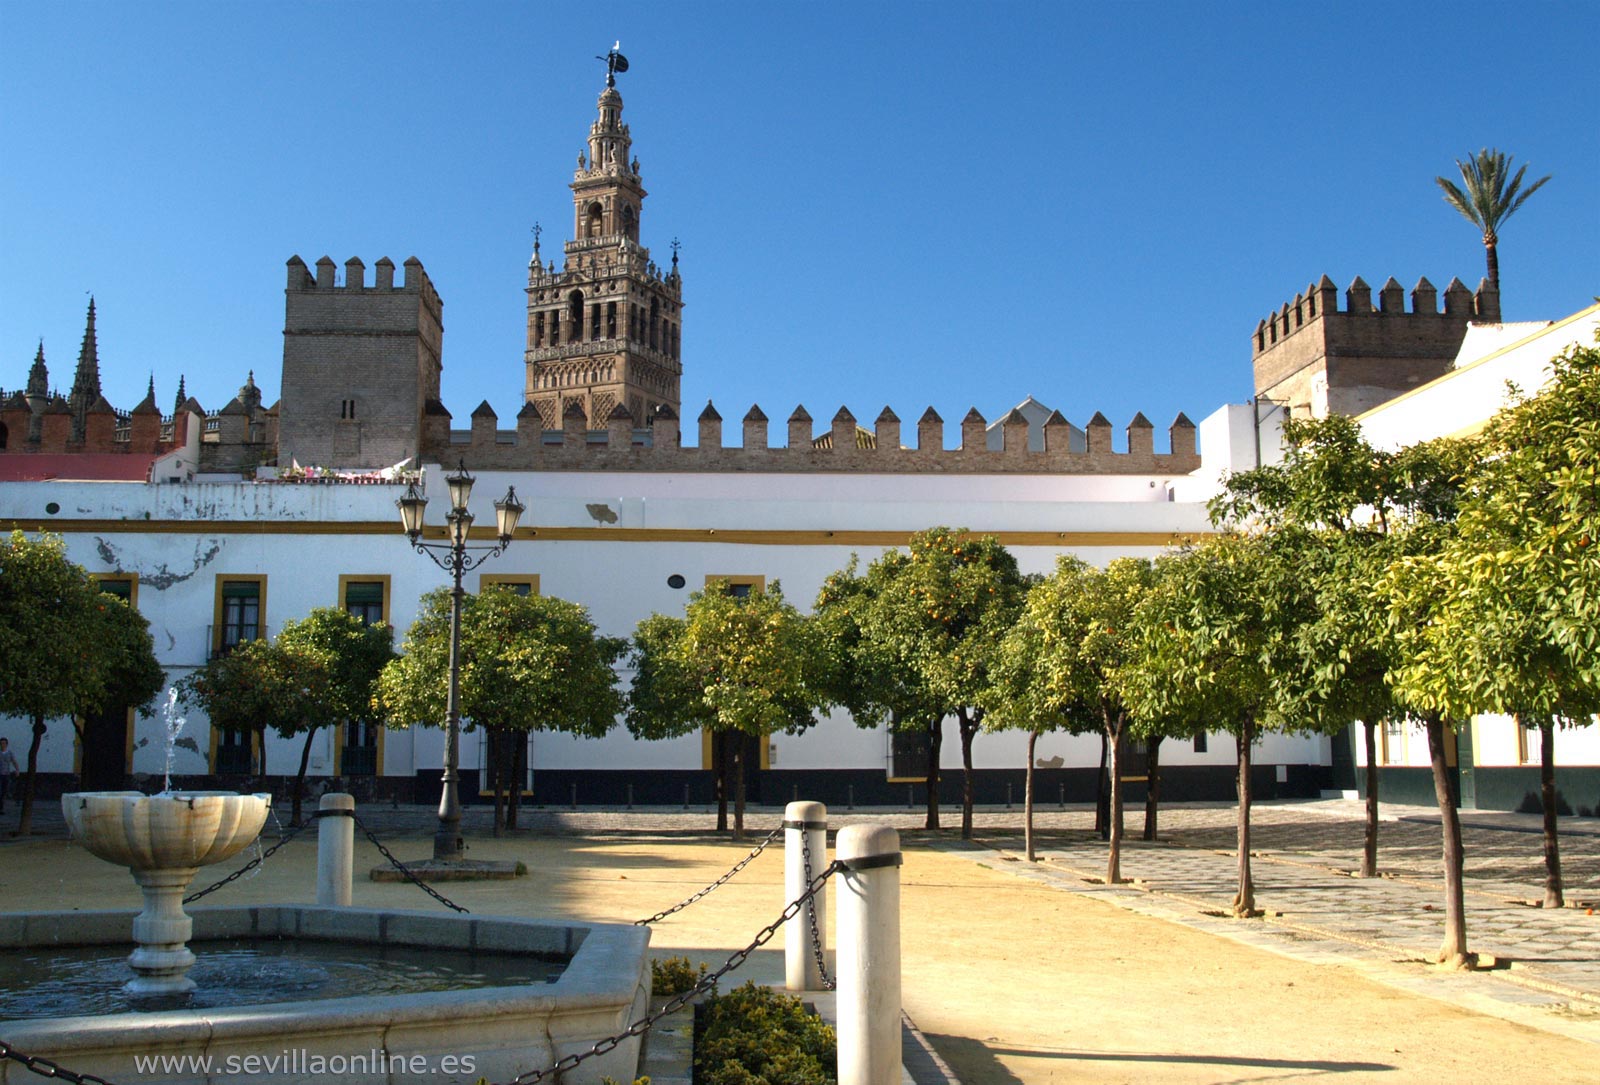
{"type": "Point", "coordinates": [1320, 302]}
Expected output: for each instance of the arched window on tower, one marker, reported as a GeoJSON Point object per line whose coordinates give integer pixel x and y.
{"type": "Point", "coordinates": [655, 324]}
{"type": "Point", "coordinates": [574, 316]}
{"type": "Point", "coordinates": [630, 225]}
{"type": "Point", "coordinates": [594, 219]}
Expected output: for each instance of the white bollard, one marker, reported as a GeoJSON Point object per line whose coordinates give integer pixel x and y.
{"type": "Point", "coordinates": [336, 850]}
{"type": "Point", "coordinates": [868, 963]}
{"type": "Point", "coordinates": [808, 821]}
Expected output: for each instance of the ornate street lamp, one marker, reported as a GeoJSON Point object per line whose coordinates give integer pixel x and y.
{"type": "Point", "coordinates": [456, 557]}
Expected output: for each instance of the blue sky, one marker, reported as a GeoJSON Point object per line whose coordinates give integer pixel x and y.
{"type": "Point", "coordinates": [879, 203]}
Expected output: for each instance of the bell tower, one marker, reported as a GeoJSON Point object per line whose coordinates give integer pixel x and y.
{"type": "Point", "coordinates": [603, 331]}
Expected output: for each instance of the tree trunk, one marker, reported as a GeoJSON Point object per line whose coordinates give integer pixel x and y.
{"type": "Point", "coordinates": [1453, 953]}
{"type": "Point", "coordinates": [497, 779]}
{"type": "Point", "coordinates": [1152, 794]}
{"type": "Point", "coordinates": [969, 731]}
{"type": "Point", "coordinates": [1492, 258]}
{"type": "Point", "coordinates": [300, 780]}
{"type": "Point", "coordinates": [738, 787]}
{"type": "Point", "coordinates": [1102, 808]}
{"type": "Point", "coordinates": [25, 818]}
{"type": "Point", "coordinates": [519, 773]}
{"type": "Point", "coordinates": [1369, 850]}
{"type": "Point", "coordinates": [1244, 903]}
{"type": "Point", "coordinates": [935, 740]}
{"type": "Point", "coordinates": [719, 768]}
{"type": "Point", "coordinates": [261, 747]}
{"type": "Point", "coordinates": [1027, 801]}
{"type": "Point", "coordinates": [1553, 897]}
{"type": "Point", "coordinates": [1112, 733]}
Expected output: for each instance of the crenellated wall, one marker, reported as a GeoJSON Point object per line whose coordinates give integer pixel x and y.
{"type": "Point", "coordinates": [582, 445]}
{"type": "Point", "coordinates": [1316, 357]}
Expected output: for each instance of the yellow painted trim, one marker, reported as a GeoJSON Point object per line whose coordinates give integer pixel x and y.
{"type": "Point", "coordinates": [530, 579]}
{"type": "Point", "coordinates": [757, 582]}
{"type": "Point", "coordinates": [345, 580]}
{"type": "Point", "coordinates": [216, 609]}
{"type": "Point", "coordinates": [705, 751]}
{"type": "Point", "coordinates": [905, 779]}
{"type": "Point", "coordinates": [698, 536]}
{"type": "Point", "coordinates": [255, 748]}
{"type": "Point", "coordinates": [132, 579]}
{"type": "Point", "coordinates": [386, 579]}
{"type": "Point", "coordinates": [1419, 389]}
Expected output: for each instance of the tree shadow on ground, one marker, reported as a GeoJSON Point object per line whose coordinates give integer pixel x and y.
{"type": "Point", "coordinates": [974, 1060]}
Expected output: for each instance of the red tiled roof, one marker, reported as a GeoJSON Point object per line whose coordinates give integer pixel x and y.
{"type": "Point", "coordinates": [76, 466]}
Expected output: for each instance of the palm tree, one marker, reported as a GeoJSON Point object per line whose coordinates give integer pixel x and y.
{"type": "Point", "coordinates": [1488, 201]}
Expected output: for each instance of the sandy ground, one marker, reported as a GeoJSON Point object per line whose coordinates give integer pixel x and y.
{"type": "Point", "coordinates": [1013, 981]}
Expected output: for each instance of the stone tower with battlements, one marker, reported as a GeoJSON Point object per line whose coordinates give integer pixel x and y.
{"type": "Point", "coordinates": [604, 331]}
{"type": "Point", "coordinates": [361, 364]}
{"type": "Point", "coordinates": [1313, 357]}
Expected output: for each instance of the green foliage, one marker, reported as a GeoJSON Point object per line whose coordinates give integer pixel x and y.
{"type": "Point", "coordinates": [66, 647]}
{"type": "Point", "coordinates": [674, 975]}
{"type": "Point", "coordinates": [528, 663]}
{"type": "Point", "coordinates": [942, 614]}
{"type": "Point", "coordinates": [1516, 621]}
{"type": "Point", "coordinates": [350, 652]}
{"type": "Point", "coordinates": [729, 664]}
{"type": "Point", "coordinates": [1485, 197]}
{"type": "Point", "coordinates": [756, 1036]}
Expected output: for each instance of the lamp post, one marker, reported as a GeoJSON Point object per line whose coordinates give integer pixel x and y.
{"type": "Point", "coordinates": [456, 557]}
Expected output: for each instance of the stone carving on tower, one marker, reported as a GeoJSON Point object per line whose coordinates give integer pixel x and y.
{"type": "Point", "coordinates": [604, 331]}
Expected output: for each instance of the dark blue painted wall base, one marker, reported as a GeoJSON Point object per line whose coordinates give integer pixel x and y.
{"type": "Point", "coordinates": [1499, 788]}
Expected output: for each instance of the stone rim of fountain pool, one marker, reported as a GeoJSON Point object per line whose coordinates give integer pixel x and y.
{"type": "Point", "coordinates": [507, 1030]}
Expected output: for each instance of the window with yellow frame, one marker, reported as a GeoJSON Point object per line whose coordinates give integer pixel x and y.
{"type": "Point", "coordinates": [521, 583]}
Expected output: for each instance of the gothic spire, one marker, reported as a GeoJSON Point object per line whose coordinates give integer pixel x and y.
{"type": "Point", "coordinates": [39, 375]}
{"type": "Point", "coordinates": [86, 381]}
{"type": "Point", "coordinates": [177, 404]}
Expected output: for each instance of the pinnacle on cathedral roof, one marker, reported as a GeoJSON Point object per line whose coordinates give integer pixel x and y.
{"type": "Point", "coordinates": [528, 411]}
{"type": "Point", "coordinates": [86, 382]}
{"type": "Point", "coordinates": [1014, 416]}
{"type": "Point", "coordinates": [665, 411]}
{"type": "Point", "coordinates": [1183, 420]}
{"type": "Point", "coordinates": [844, 415]}
{"type": "Point", "coordinates": [930, 415]}
{"type": "Point", "coordinates": [755, 414]}
{"type": "Point", "coordinates": [710, 414]}
{"type": "Point", "coordinates": [39, 374]}
{"type": "Point", "coordinates": [887, 415]}
{"type": "Point", "coordinates": [1140, 422]}
{"type": "Point", "coordinates": [1100, 420]}
{"type": "Point", "coordinates": [972, 415]}
{"type": "Point", "coordinates": [483, 410]}
{"type": "Point", "coordinates": [800, 415]}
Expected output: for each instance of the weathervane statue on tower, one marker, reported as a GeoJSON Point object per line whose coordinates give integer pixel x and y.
{"type": "Point", "coordinates": [615, 62]}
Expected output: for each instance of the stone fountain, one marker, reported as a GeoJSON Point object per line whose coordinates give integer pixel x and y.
{"type": "Point", "coordinates": [164, 840]}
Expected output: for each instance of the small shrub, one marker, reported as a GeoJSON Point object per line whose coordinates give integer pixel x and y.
{"type": "Point", "coordinates": [674, 975]}
{"type": "Point", "coordinates": [756, 1036]}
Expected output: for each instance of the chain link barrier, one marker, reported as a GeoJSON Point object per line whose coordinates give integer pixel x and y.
{"type": "Point", "coordinates": [740, 865]}
{"type": "Point", "coordinates": [287, 836]}
{"type": "Point", "coordinates": [828, 982]}
{"type": "Point", "coordinates": [45, 1068]}
{"type": "Point", "coordinates": [406, 871]}
{"type": "Point", "coordinates": [683, 998]}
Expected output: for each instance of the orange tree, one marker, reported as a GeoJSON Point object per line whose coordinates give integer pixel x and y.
{"type": "Point", "coordinates": [735, 666]}
{"type": "Point", "coordinates": [66, 648]}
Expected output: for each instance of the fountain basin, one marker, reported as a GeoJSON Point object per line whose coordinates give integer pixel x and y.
{"type": "Point", "coordinates": [164, 840]}
{"type": "Point", "coordinates": [503, 1031]}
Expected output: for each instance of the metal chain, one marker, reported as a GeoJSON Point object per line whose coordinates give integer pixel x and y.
{"type": "Point", "coordinates": [45, 1068]}
{"type": "Point", "coordinates": [252, 864]}
{"type": "Point", "coordinates": [683, 998]}
{"type": "Point", "coordinates": [828, 982]}
{"type": "Point", "coordinates": [740, 865]}
{"type": "Point", "coordinates": [401, 867]}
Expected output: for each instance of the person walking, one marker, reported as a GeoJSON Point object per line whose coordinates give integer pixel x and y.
{"type": "Point", "coordinates": [8, 771]}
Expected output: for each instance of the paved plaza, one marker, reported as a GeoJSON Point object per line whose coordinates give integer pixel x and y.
{"type": "Point", "coordinates": [1020, 972]}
